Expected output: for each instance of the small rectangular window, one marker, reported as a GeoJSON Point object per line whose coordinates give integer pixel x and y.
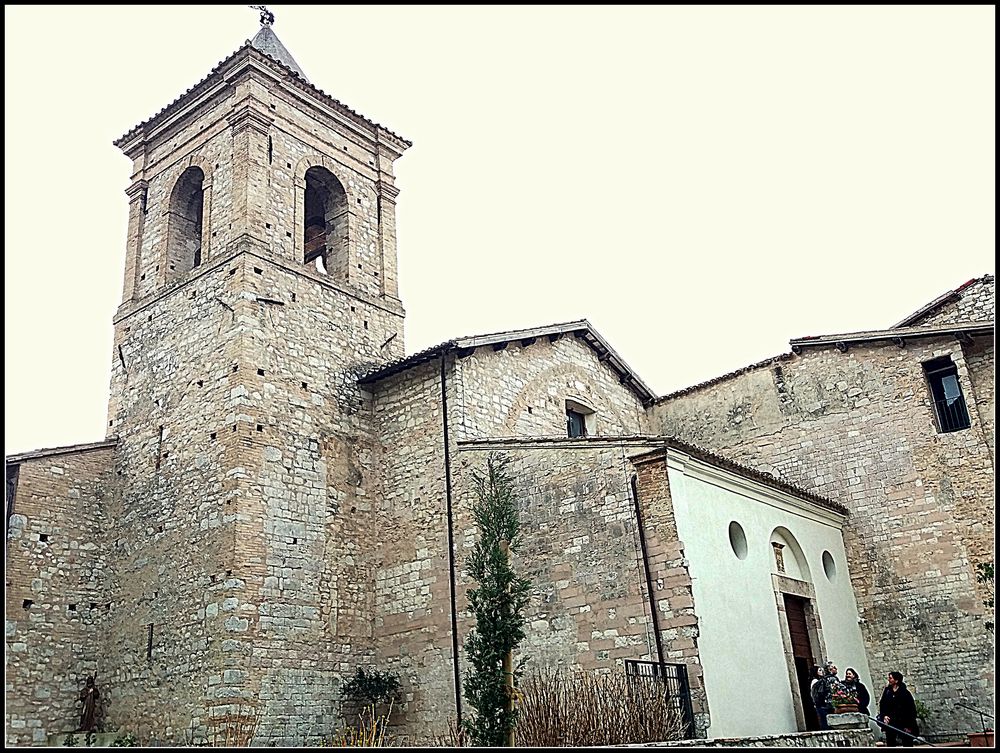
{"type": "Point", "coordinates": [576, 424]}
{"type": "Point", "coordinates": [946, 392]}
{"type": "Point", "coordinates": [580, 420]}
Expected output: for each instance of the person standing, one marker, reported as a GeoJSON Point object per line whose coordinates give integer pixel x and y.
{"type": "Point", "coordinates": [898, 709]}
{"type": "Point", "coordinates": [853, 682]}
{"type": "Point", "coordinates": [88, 716]}
{"type": "Point", "coordinates": [822, 691]}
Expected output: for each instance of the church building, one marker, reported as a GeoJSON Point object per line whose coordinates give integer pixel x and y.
{"type": "Point", "coordinates": [284, 495]}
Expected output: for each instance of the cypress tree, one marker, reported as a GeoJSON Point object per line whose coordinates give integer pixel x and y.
{"type": "Point", "coordinates": [497, 603]}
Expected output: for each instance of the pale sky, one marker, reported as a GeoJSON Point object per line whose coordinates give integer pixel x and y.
{"type": "Point", "coordinates": [701, 183]}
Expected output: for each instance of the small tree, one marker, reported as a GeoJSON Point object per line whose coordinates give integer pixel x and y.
{"type": "Point", "coordinates": [371, 688]}
{"type": "Point", "coordinates": [497, 603]}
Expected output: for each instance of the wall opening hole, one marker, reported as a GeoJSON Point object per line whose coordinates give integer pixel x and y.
{"type": "Point", "coordinates": [43, 537]}
{"type": "Point", "coordinates": [738, 540]}
{"type": "Point", "coordinates": [829, 566]}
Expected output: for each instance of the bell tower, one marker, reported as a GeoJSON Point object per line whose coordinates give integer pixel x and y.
{"type": "Point", "coordinates": [260, 281]}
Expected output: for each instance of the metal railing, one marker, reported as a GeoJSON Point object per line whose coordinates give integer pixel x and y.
{"type": "Point", "coordinates": [952, 414]}
{"type": "Point", "coordinates": [906, 738]}
{"type": "Point", "coordinates": [675, 682]}
{"type": "Point", "coordinates": [982, 714]}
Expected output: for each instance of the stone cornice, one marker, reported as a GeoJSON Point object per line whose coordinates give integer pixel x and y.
{"type": "Point", "coordinates": [247, 116]}
{"type": "Point", "coordinates": [136, 190]}
{"type": "Point", "coordinates": [252, 247]}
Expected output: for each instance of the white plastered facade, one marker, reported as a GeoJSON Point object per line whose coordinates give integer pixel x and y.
{"type": "Point", "coordinates": [743, 637]}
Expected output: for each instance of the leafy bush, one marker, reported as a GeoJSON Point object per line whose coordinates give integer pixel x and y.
{"type": "Point", "coordinates": [984, 575]}
{"type": "Point", "coordinates": [372, 687]}
{"type": "Point", "coordinates": [125, 740]}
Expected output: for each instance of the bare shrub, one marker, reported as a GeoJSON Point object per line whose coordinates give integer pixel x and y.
{"type": "Point", "coordinates": [576, 708]}
{"type": "Point", "coordinates": [369, 733]}
{"type": "Point", "coordinates": [234, 727]}
{"type": "Point", "coordinates": [455, 738]}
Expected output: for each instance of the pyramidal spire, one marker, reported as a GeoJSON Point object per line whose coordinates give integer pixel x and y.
{"type": "Point", "coordinates": [267, 41]}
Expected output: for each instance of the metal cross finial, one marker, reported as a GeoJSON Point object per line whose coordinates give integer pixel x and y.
{"type": "Point", "coordinates": [266, 16]}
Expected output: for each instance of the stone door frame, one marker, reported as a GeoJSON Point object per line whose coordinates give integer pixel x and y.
{"type": "Point", "coordinates": [793, 587]}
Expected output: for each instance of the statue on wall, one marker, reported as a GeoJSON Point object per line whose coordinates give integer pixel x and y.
{"type": "Point", "coordinates": [89, 696]}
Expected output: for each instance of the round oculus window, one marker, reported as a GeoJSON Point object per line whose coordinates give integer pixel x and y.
{"type": "Point", "coordinates": [829, 566]}
{"type": "Point", "coordinates": [738, 540]}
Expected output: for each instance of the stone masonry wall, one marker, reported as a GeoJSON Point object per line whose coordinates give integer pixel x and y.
{"type": "Point", "coordinates": [55, 604]}
{"type": "Point", "coordinates": [412, 615]}
{"type": "Point", "coordinates": [245, 453]}
{"type": "Point", "coordinates": [977, 304]}
{"type": "Point", "coordinates": [589, 607]}
{"type": "Point", "coordinates": [310, 501]}
{"type": "Point", "coordinates": [176, 383]}
{"type": "Point", "coordinates": [858, 428]}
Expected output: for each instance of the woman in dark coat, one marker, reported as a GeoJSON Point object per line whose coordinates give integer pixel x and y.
{"type": "Point", "coordinates": [898, 708]}
{"type": "Point", "coordinates": [853, 682]}
{"type": "Point", "coordinates": [819, 691]}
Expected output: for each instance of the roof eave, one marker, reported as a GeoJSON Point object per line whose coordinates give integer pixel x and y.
{"type": "Point", "coordinates": [896, 335]}
{"type": "Point", "coordinates": [72, 449]}
{"type": "Point", "coordinates": [231, 67]}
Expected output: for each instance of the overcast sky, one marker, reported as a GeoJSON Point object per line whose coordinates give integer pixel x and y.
{"type": "Point", "coordinates": [701, 183]}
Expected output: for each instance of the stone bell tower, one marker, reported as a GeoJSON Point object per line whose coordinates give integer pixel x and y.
{"type": "Point", "coordinates": [260, 280]}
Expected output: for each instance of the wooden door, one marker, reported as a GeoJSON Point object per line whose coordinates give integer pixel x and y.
{"type": "Point", "coordinates": [798, 630]}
